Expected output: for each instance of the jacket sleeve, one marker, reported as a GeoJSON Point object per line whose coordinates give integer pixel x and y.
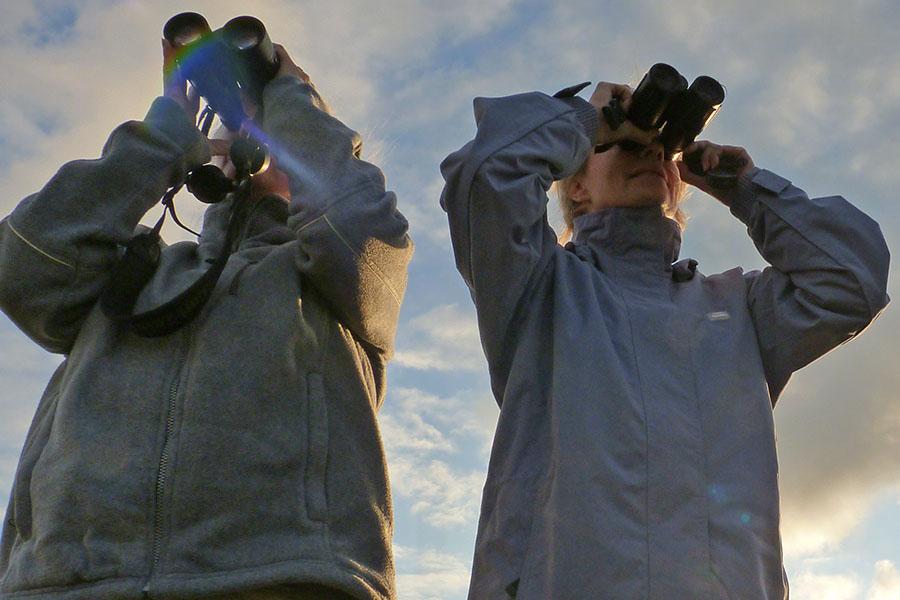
{"type": "Point", "coordinates": [828, 275]}
{"type": "Point", "coordinates": [353, 242]}
{"type": "Point", "coordinates": [59, 244]}
{"type": "Point", "coordinates": [495, 196]}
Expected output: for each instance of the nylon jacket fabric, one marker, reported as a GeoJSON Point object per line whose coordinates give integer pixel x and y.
{"type": "Point", "coordinates": [634, 455]}
{"type": "Point", "coordinates": [241, 451]}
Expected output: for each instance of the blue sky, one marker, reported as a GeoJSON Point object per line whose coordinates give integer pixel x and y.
{"type": "Point", "coordinates": [813, 94]}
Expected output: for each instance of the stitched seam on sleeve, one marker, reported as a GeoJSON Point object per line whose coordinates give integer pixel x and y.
{"type": "Point", "coordinates": [368, 263]}
{"type": "Point", "coordinates": [37, 249]}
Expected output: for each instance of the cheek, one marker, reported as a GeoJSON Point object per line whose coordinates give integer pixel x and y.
{"type": "Point", "coordinates": [602, 178]}
{"type": "Point", "coordinates": [673, 181]}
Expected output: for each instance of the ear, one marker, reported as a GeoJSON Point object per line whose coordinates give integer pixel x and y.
{"type": "Point", "coordinates": [578, 192]}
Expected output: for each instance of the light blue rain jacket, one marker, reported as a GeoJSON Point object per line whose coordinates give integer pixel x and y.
{"type": "Point", "coordinates": [635, 453]}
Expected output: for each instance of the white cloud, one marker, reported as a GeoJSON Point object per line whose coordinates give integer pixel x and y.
{"type": "Point", "coordinates": [443, 339]}
{"type": "Point", "coordinates": [430, 574]}
{"type": "Point", "coordinates": [443, 496]}
{"type": "Point", "coordinates": [427, 439]}
{"type": "Point", "coordinates": [814, 584]}
{"type": "Point", "coordinates": [417, 420]}
{"type": "Point", "coordinates": [811, 586]}
{"type": "Point", "coordinates": [887, 582]}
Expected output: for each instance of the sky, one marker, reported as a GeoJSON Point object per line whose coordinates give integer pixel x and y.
{"type": "Point", "coordinates": [813, 94]}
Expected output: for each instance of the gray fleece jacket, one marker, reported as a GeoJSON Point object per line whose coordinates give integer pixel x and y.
{"type": "Point", "coordinates": [634, 455]}
{"type": "Point", "coordinates": [243, 450]}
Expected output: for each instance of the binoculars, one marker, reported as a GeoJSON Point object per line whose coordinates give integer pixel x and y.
{"type": "Point", "coordinates": [221, 64]}
{"type": "Point", "coordinates": [663, 100]}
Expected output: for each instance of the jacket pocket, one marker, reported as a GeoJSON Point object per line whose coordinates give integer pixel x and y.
{"type": "Point", "coordinates": [317, 450]}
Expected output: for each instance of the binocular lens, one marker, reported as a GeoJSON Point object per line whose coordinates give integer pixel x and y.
{"type": "Point", "coordinates": [248, 157]}
{"type": "Point", "coordinates": [708, 90]}
{"type": "Point", "coordinates": [185, 28]}
{"type": "Point", "coordinates": [243, 33]}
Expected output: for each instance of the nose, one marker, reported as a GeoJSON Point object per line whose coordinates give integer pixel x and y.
{"type": "Point", "coordinates": [654, 150]}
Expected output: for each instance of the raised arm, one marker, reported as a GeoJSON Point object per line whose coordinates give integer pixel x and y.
{"type": "Point", "coordinates": [496, 198]}
{"type": "Point", "coordinates": [353, 242]}
{"type": "Point", "coordinates": [59, 244]}
{"type": "Point", "coordinates": [496, 193]}
{"type": "Point", "coordinates": [828, 275]}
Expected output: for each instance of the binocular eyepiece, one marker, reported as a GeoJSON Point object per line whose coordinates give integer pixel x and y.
{"type": "Point", "coordinates": [239, 57]}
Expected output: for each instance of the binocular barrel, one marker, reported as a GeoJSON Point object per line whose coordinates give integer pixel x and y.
{"type": "Point", "coordinates": [220, 64]}
{"type": "Point", "coordinates": [690, 111]}
{"type": "Point", "coordinates": [664, 100]}
{"type": "Point", "coordinates": [653, 94]}
{"type": "Point", "coordinates": [254, 52]}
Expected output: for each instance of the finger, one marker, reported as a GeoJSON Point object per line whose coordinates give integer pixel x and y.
{"type": "Point", "coordinates": [623, 93]}
{"type": "Point", "coordinates": [169, 67]}
{"type": "Point", "coordinates": [695, 147]}
{"type": "Point", "coordinates": [691, 178]}
{"type": "Point", "coordinates": [710, 156]}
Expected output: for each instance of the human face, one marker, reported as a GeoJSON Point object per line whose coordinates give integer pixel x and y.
{"type": "Point", "coordinates": [624, 175]}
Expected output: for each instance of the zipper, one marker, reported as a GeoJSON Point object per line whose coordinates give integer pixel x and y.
{"type": "Point", "coordinates": [162, 475]}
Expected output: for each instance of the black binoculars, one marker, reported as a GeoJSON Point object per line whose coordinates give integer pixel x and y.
{"type": "Point", "coordinates": [221, 64]}
{"type": "Point", "coordinates": [663, 100]}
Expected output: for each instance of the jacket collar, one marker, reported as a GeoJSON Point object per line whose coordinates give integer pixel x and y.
{"type": "Point", "coordinates": [642, 235]}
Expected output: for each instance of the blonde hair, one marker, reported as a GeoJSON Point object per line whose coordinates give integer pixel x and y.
{"type": "Point", "coordinates": [671, 208]}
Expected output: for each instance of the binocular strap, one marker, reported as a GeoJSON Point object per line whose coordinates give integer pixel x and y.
{"type": "Point", "coordinates": [137, 266]}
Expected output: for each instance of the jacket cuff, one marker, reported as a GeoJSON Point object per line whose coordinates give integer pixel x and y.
{"type": "Point", "coordinates": [168, 118]}
{"type": "Point", "coordinates": [587, 115]}
{"type": "Point", "coordinates": [746, 193]}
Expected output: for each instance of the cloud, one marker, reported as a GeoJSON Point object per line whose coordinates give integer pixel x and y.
{"type": "Point", "coordinates": [427, 439]}
{"type": "Point", "coordinates": [887, 582]}
{"type": "Point", "coordinates": [430, 574]}
{"type": "Point", "coordinates": [811, 586]}
{"type": "Point", "coordinates": [416, 420]}
{"type": "Point", "coordinates": [443, 339]}
{"type": "Point", "coordinates": [831, 474]}
{"type": "Point", "coordinates": [443, 496]}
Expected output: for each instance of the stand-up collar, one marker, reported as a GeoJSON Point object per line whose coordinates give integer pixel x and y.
{"type": "Point", "coordinates": [641, 235]}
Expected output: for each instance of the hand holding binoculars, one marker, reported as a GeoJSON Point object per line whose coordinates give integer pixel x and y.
{"type": "Point", "coordinates": [223, 64]}
{"type": "Point", "coordinates": [663, 100]}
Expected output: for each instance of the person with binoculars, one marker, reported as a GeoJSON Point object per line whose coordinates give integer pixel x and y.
{"type": "Point", "coordinates": [634, 455]}
{"type": "Point", "coordinates": [226, 446]}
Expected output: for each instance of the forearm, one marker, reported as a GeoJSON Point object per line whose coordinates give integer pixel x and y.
{"type": "Point", "coordinates": [828, 278]}
{"type": "Point", "coordinates": [57, 246]}
{"type": "Point", "coordinates": [354, 246]}
{"type": "Point", "coordinates": [830, 249]}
